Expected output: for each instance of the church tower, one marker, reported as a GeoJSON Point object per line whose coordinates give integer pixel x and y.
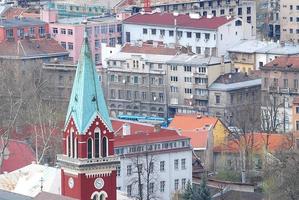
{"type": "Point", "coordinates": [88, 164]}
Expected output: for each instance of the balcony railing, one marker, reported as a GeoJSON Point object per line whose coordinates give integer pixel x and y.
{"type": "Point", "coordinates": [85, 161]}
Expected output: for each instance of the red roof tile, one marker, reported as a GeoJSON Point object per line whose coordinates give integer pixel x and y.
{"type": "Point", "coordinates": [142, 134]}
{"type": "Point", "coordinates": [195, 127]}
{"type": "Point", "coordinates": [194, 121]}
{"type": "Point", "coordinates": [290, 62]}
{"type": "Point", "coordinates": [31, 48]}
{"type": "Point", "coordinates": [149, 49]}
{"type": "Point", "coordinates": [182, 20]}
{"type": "Point", "coordinates": [276, 142]}
{"type": "Point", "coordinates": [17, 155]}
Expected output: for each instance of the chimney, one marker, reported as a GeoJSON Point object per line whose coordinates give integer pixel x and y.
{"type": "Point", "coordinates": [157, 128]}
{"type": "Point", "coordinates": [126, 129]}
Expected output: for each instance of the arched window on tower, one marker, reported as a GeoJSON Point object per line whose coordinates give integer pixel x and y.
{"type": "Point", "coordinates": [68, 146]}
{"type": "Point", "coordinates": [72, 143]}
{"type": "Point", "coordinates": [104, 147]}
{"type": "Point", "coordinates": [76, 148]}
{"type": "Point", "coordinates": [89, 148]}
{"type": "Point", "coordinates": [95, 197]}
{"type": "Point", "coordinates": [102, 197]}
{"type": "Point", "coordinates": [97, 144]}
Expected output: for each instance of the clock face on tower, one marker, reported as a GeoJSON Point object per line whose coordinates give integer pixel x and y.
{"type": "Point", "coordinates": [99, 183]}
{"type": "Point", "coordinates": [71, 182]}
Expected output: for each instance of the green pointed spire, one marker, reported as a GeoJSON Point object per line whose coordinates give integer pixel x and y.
{"type": "Point", "coordinates": [87, 99]}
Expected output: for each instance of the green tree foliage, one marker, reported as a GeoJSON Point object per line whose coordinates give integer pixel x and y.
{"type": "Point", "coordinates": [197, 193]}
{"type": "Point", "coordinates": [204, 192]}
{"type": "Point", "coordinates": [188, 193]}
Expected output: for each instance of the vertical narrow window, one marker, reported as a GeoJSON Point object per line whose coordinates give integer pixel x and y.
{"type": "Point", "coordinates": [76, 148]}
{"type": "Point", "coordinates": [89, 148]}
{"type": "Point", "coordinates": [104, 147]}
{"type": "Point", "coordinates": [68, 146]}
{"type": "Point", "coordinates": [72, 143]}
{"type": "Point", "coordinates": [97, 144]}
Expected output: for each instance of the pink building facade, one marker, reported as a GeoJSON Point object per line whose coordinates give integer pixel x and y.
{"type": "Point", "coordinates": [69, 33]}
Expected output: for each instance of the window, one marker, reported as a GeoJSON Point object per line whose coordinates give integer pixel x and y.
{"type": "Point", "coordinates": [207, 36]}
{"type": "Point", "coordinates": [222, 12]}
{"type": "Point", "coordinates": [143, 95]}
{"type": "Point", "coordinates": [70, 31]}
{"type": "Point", "coordinates": [162, 32]}
{"type": "Point", "coordinates": [171, 33]}
{"type": "Point", "coordinates": [180, 34]}
{"type": "Point", "coordinates": [291, 19]}
{"type": "Point", "coordinates": [176, 164]}
{"type": "Point", "coordinates": [63, 31]}
{"type": "Point", "coordinates": [297, 125]}
{"type": "Point", "coordinates": [296, 83]}
{"type": "Point", "coordinates": [41, 30]}
{"type": "Point", "coordinates": [261, 64]}
{"type": "Point", "coordinates": [145, 31]}
{"type": "Point", "coordinates": [188, 91]}
{"type": "Point", "coordinates": [89, 148]}
{"type": "Point", "coordinates": [183, 163]}
{"type": "Point", "coordinates": [291, 30]}
{"type": "Point", "coordinates": [239, 11]}
{"type": "Point", "coordinates": [129, 190]}
{"type": "Point", "coordinates": [70, 45]}
{"type": "Point", "coordinates": [129, 170]}
{"type": "Point", "coordinates": [248, 10]}
{"type": "Point", "coordinates": [249, 19]}
{"type": "Point", "coordinates": [197, 35]}
{"type": "Point", "coordinates": [217, 99]}
{"type": "Point", "coordinates": [139, 168]}
{"type": "Point", "coordinates": [135, 79]}
{"type": "Point", "coordinates": [9, 33]}
{"type": "Point", "coordinates": [183, 184]}
{"type": "Point", "coordinates": [20, 32]}
{"type": "Point", "coordinates": [187, 68]}
{"type": "Point", "coordinates": [174, 68]}
{"type": "Point", "coordinates": [162, 166]}
{"type": "Point", "coordinates": [55, 30]}
{"type": "Point", "coordinates": [97, 44]}
{"type": "Point", "coordinates": [63, 44]}
{"type": "Point", "coordinates": [151, 167]}
{"type": "Point", "coordinates": [154, 31]}
{"type": "Point", "coordinates": [174, 89]}
{"type": "Point", "coordinates": [162, 186]}
{"type": "Point", "coordinates": [176, 184]}
{"type": "Point", "coordinates": [112, 28]}
{"type": "Point", "coordinates": [189, 34]}
{"type": "Point", "coordinates": [117, 170]}
{"type": "Point", "coordinates": [173, 78]}
{"type": "Point", "coordinates": [151, 188]}
{"type": "Point", "coordinates": [198, 50]}
{"type": "Point", "coordinates": [97, 144]}
{"type": "Point", "coordinates": [297, 110]}
{"type": "Point", "coordinates": [285, 83]}
{"type": "Point", "coordinates": [188, 79]}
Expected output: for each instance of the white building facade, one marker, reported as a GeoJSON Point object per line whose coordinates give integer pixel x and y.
{"type": "Point", "coordinates": [203, 35]}
{"type": "Point", "coordinates": [166, 157]}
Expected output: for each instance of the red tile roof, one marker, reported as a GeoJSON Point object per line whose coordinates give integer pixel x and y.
{"type": "Point", "coordinates": [145, 48]}
{"type": "Point", "coordinates": [17, 155]}
{"type": "Point", "coordinates": [195, 127]}
{"type": "Point", "coordinates": [182, 20]}
{"type": "Point", "coordinates": [276, 142]}
{"type": "Point", "coordinates": [31, 48]}
{"type": "Point", "coordinates": [289, 62]}
{"type": "Point", "coordinates": [194, 121]}
{"type": "Point", "coordinates": [51, 196]}
{"type": "Point", "coordinates": [142, 134]}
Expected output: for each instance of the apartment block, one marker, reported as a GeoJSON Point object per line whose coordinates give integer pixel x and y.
{"type": "Point", "coordinates": [207, 35]}
{"type": "Point", "coordinates": [289, 21]}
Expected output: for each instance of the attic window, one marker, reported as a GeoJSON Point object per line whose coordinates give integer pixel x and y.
{"type": "Point", "coordinates": [76, 98]}
{"type": "Point", "coordinates": [93, 98]}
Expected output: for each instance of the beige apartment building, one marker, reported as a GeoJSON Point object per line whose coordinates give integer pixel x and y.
{"type": "Point", "coordinates": [289, 21]}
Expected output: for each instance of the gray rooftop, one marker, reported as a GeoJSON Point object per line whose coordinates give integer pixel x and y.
{"type": "Point", "coordinates": [235, 81]}
{"type": "Point", "coordinates": [185, 59]}
{"type": "Point", "coordinates": [6, 195]}
{"type": "Point", "coordinates": [79, 20]}
{"type": "Point", "coordinates": [257, 46]}
{"type": "Point", "coordinates": [10, 23]}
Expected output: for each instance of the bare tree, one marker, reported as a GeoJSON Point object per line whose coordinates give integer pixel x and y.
{"type": "Point", "coordinates": [145, 176]}
{"type": "Point", "coordinates": [246, 122]}
{"type": "Point", "coordinates": [270, 113]}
